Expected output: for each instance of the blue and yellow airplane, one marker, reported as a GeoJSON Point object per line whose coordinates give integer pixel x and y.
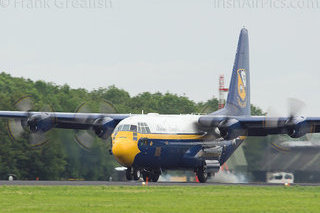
{"type": "Point", "coordinates": [148, 144]}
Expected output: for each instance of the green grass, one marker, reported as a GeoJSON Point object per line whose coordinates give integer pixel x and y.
{"type": "Point", "coordinates": [159, 199]}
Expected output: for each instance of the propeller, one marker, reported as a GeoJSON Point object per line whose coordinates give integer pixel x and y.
{"type": "Point", "coordinates": [17, 127]}
{"type": "Point", "coordinates": [294, 107]}
{"type": "Point", "coordinates": [295, 126]}
{"type": "Point", "coordinates": [86, 138]}
{"type": "Point", "coordinates": [271, 113]}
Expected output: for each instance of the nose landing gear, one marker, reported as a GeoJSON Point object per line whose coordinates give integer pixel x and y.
{"type": "Point", "coordinates": [129, 173]}
{"type": "Point", "coordinates": [133, 173]}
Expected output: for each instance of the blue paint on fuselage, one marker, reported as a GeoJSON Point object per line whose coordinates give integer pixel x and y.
{"type": "Point", "coordinates": [175, 154]}
{"type": "Point", "coordinates": [165, 154]}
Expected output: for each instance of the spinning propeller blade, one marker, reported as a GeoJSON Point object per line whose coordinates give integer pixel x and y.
{"type": "Point", "coordinates": [86, 138]}
{"type": "Point", "coordinates": [17, 127]}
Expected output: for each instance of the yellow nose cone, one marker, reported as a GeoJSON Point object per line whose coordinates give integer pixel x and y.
{"type": "Point", "coordinates": [124, 151]}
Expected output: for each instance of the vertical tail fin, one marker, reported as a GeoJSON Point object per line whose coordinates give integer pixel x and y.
{"type": "Point", "coordinates": [238, 101]}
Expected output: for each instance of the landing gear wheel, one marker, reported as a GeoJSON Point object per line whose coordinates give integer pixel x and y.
{"type": "Point", "coordinates": [128, 173]}
{"type": "Point", "coordinates": [155, 177]}
{"type": "Point", "coordinates": [202, 174]}
{"type": "Point", "coordinates": [145, 176]}
{"type": "Point", "coordinates": [136, 174]}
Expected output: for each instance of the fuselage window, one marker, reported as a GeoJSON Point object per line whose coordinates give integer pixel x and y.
{"type": "Point", "coordinates": [126, 127]}
{"type": "Point", "coordinates": [133, 128]}
{"type": "Point", "coordinates": [147, 129]}
{"type": "Point", "coordinates": [143, 128]}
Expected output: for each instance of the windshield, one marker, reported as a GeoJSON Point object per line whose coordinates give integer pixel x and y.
{"type": "Point", "coordinates": [143, 128]}
{"type": "Point", "coordinates": [125, 127]}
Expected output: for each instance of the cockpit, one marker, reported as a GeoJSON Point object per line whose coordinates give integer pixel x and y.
{"type": "Point", "coordinates": [142, 128]}
{"type": "Point", "coordinates": [125, 139]}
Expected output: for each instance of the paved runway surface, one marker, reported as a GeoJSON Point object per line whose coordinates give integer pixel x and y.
{"type": "Point", "coordinates": [133, 183]}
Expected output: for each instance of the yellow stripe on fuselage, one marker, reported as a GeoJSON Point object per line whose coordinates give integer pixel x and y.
{"type": "Point", "coordinates": [172, 136]}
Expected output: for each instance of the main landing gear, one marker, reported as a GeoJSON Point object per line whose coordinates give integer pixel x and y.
{"type": "Point", "coordinates": [202, 173]}
{"type": "Point", "coordinates": [135, 174]}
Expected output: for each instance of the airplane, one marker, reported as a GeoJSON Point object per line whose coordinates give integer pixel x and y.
{"type": "Point", "coordinates": [148, 144]}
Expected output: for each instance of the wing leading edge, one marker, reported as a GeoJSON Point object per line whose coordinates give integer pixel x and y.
{"type": "Point", "coordinates": [234, 126]}
{"type": "Point", "coordinates": [66, 120]}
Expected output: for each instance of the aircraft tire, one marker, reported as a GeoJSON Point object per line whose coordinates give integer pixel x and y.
{"type": "Point", "coordinates": [202, 174]}
{"type": "Point", "coordinates": [155, 177]}
{"type": "Point", "coordinates": [136, 174]}
{"type": "Point", "coordinates": [128, 173]}
{"type": "Point", "coordinates": [152, 175]}
{"type": "Point", "coordinates": [145, 176]}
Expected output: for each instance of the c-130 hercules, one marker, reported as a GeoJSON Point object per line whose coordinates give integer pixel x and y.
{"type": "Point", "coordinates": [148, 144]}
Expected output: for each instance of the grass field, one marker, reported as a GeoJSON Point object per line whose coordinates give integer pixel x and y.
{"type": "Point", "coordinates": [159, 199]}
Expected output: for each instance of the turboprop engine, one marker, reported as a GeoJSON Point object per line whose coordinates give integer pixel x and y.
{"type": "Point", "coordinates": [103, 127]}
{"type": "Point", "coordinates": [297, 127]}
{"type": "Point", "coordinates": [230, 129]}
{"type": "Point", "coordinates": [41, 122]}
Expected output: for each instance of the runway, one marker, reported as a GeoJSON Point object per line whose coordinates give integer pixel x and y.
{"type": "Point", "coordinates": [135, 183]}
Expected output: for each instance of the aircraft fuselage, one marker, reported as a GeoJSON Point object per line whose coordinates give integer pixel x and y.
{"type": "Point", "coordinates": [167, 142]}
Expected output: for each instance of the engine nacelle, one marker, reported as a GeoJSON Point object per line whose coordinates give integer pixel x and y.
{"type": "Point", "coordinates": [103, 127]}
{"type": "Point", "coordinates": [40, 122]}
{"type": "Point", "coordinates": [230, 129]}
{"type": "Point", "coordinates": [297, 127]}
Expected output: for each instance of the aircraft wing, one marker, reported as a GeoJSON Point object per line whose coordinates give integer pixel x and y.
{"type": "Point", "coordinates": [47, 120]}
{"type": "Point", "coordinates": [234, 126]}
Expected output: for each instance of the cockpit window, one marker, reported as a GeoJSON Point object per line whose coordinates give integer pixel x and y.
{"type": "Point", "coordinates": [133, 128]}
{"type": "Point", "coordinates": [126, 127]}
{"type": "Point", "coordinates": [143, 128]}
